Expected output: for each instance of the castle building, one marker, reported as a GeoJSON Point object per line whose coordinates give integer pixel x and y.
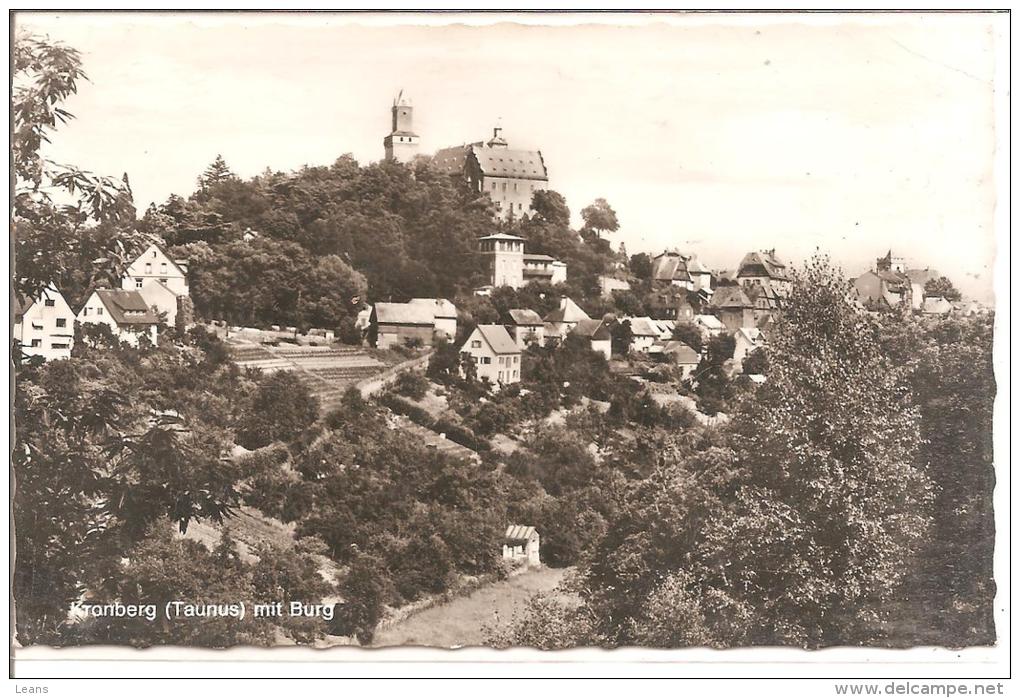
{"type": "Point", "coordinates": [402, 143]}
{"type": "Point", "coordinates": [504, 255]}
{"type": "Point", "coordinates": [508, 175]}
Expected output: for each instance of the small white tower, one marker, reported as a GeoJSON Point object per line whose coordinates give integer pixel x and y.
{"type": "Point", "coordinates": [505, 255]}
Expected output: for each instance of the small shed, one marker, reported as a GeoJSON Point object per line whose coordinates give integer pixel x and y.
{"type": "Point", "coordinates": [521, 544]}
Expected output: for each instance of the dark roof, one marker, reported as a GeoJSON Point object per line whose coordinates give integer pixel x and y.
{"type": "Point", "coordinates": [921, 276]}
{"type": "Point", "coordinates": [493, 162]}
{"type": "Point", "coordinates": [499, 339]}
{"type": "Point", "coordinates": [762, 264]}
{"type": "Point", "coordinates": [595, 330]}
{"type": "Point", "coordinates": [126, 307]}
{"type": "Point", "coordinates": [525, 317]}
{"type": "Point", "coordinates": [569, 311]}
{"type": "Point", "coordinates": [507, 162]}
{"type": "Point", "coordinates": [670, 266]}
{"type": "Point", "coordinates": [538, 258]}
{"type": "Point", "coordinates": [21, 303]}
{"type": "Point", "coordinates": [731, 297]}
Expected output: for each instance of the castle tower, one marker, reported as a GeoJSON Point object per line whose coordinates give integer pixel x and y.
{"type": "Point", "coordinates": [505, 255]}
{"type": "Point", "coordinates": [402, 143]}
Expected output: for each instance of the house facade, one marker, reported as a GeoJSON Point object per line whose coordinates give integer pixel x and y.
{"type": "Point", "coordinates": [444, 314]}
{"type": "Point", "coordinates": [733, 307]}
{"type": "Point", "coordinates": [494, 353]}
{"type": "Point", "coordinates": [542, 267]}
{"type": "Point", "coordinates": [526, 327]}
{"type": "Point", "coordinates": [598, 336]}
{"type": "Point", "coordinates": [746, 340]}
{"type": "Point", "coordinates": [521, 545]}
{"type": "Point", "coordinates": [126, 313]}
{"type": "Point", "coordinates": [561, 321]}
{"type": "Point", "coordinates": [401, 324]}
{"type": "Point", "coordinates": [44, 326]}
{"type": "Point", "coordinates": [683, 270]}
{"type": "Point", "coordinates": [682, 356]}
{"type": "Point", "coordinates": [765, 268]}
{"type": "Point", "coordinates": [156, 264]}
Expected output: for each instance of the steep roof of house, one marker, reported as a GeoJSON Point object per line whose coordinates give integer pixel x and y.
{"type": "Point", "coordinates": [681, 352]}
{"type": "Point", "coordinates": [126, 307]}
{"type": "Point", "coordinates": [751, 334]}
{"type": "Point", "coordinates": [595, 330]}
{"type": "Point", "coordinates": [710, 322]}
{"type": "Point", "coordinates": [441, 307]}
{"type": "Point", "coordinates": [150, 240]}
{"type": "Point", "coordinates": [404, 314]}
{"type": "Point", "coordinates": [921, 276]}
{"type": "Point", "coordinates": [507, 162]}
{"type": "Point", "coordinates": [525, 317]}
{"type": "Point", "coordinates": [21, 303]}
{"type": "Point", "coordinates": [450, 160]}
{"type": "Point", "coordinates": [731, 297]}
{"type": "Point", "coordinates": [643, 327]}
{"type": "Point", "coordinates": [670, 266]}
{"type": "Point", "coordinates": [569, 311]}
{"type": "Point", "coordinates": [516, 532]}
{"type": "Point", "coordinates": [499, 339]}
{"type": "Point", "coordinates": [762, 263]}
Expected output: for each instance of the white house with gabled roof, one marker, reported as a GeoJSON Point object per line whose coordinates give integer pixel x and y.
{"type": "Point", "coordinates": [44, 326]}
{"type": "Point", "coordinates": [494, 353]}
{"type": "Point", "coordinates": [156, 264]}
{"type": "Point", "coordinates": [126, 313]}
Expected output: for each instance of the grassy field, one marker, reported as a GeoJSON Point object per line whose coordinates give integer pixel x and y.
{"type": "Point", "coordinates": [460, 623]}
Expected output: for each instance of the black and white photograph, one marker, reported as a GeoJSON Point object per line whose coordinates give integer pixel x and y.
{"type": "Point", "coordinates": [480, 332]}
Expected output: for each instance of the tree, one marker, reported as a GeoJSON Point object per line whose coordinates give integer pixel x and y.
{"type": "Point", "coordinates": [622, 336]}
{"type": "Point", "coordinates": [941, 286]}
{"type": "Point", "coordinates": [217, 173]}
{"type": "Point", "coordinates": [550, 207]}
{"type": "Point", "coordinates": [599, 217]}
{"type": "Point", "coordinates": [689, 334]}
{"type": "Point", "coordinates": [641, 265]}
{"type": "Point", "coordinates": [281, 410]}
{"type": "Point", "coordinates": [48, 237]}
{"type": "Point", "coordinates": [363, 590]}
{"type": "Point", "coordinates": [833, 508]}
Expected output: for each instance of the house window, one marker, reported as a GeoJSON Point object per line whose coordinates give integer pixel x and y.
{"type": "Point", "coordinates": [99, 310]}
{"type": "Point", "coordinates": [36, 342]}
{"type": "Point", "coordinates": [163, 280]}
{"type": "Point", "coordinates": [154, 254]}
{"type": "Point", "coordinates": [517, 359]}
{"type": "Point", "coordinates": [500, 376]}
{"type": "Point", "coordinates": [148, 268]}
{"type": "Point", "coordinates": [162, 268]}
{"type": "Point", "coordinates": [61, 322]}
{"type": "Point", "coordinates": [50, 302]}
{"type": "Point", "coordinates": [476, 344]}
{"type": "Point", "coordinates": [86, 312]}
{"type": "Point", "coordinates": [138, 283]}
{"type": "Point", "coordinates": [493, 186]}
{"type": "Point", "coordinates": [60, 345]}
{"type": "Point", "coordinates": [486, 360]}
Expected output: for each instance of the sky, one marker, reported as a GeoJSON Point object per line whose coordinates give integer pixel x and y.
{"type": "Point", "coordinates": [713, 133]}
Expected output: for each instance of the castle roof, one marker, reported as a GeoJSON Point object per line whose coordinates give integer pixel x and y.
{"type": "Point", "coordinates": [492, 162]}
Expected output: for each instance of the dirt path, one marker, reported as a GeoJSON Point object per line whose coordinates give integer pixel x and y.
{"type": "Point", "coordinates": [460, 623]}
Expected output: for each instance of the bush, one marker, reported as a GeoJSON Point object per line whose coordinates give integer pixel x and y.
{"type": "Point", "coordinates": [461, 435]}
{"type": "Point", "coordinates": [411, 384]}
{"type": "Point", "coordinates": [408, 409]}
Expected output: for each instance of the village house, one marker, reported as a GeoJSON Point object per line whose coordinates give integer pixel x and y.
{"type": "Point", "coordinates": [444, 312]}
{"type": "Point", "coordinates": [733, 307]}
{"type": "Point", "coordinates": [648, 335]}
{"type": "Point", "coordinates": [709, 325]}
{"type": "Point", "coordinates": [918, 279]}
{"type": "Point", "coordinates": [559, 322]}
{"type": "Point", "coordinates": [682, 270]}
{"type": "Point", "coordinates": [508, 175]}
{"type": "Point", "coordinates": [682, 356]}
{"type": "Point", "coordinates": [673, 303]}
{"type": "Point", "coordinates": [416, 322]}
{"type": "Point", "coordinates": [746, 340]}
{"type": "Point", "coordinates": [609, 283]}
{"type": "Point", "coordinates": [44, 326]}
{"type": "Point", "coordinates": [764, 268]}
{"type": "Point", "coordinates": [521, 545]}
{"type": "Point", "coordinates": [162, 281]}
{"type": "Point", "coordinates": [526, 327]}
{"type": "Point", "coordinates": [936, 305]}
{"type": "Point", "coordinates": [597, 335]}
{"type": "Point", "coordinates": [887, 287]}
{"type": "Point", "coordinates": [507, 265]}
{"type": "Point", "coordinates": [126, 313]}
{"type": "Point", "coordinates": [494, 353]}
{"type": "Point", "coordinates": [542, 267]}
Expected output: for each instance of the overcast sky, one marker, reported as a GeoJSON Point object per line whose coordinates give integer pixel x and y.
{"type": "Point", "coordinates": [717, 134]}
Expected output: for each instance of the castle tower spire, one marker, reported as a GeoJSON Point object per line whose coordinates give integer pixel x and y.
{"type": "Point", "coordinates": [402, 143]}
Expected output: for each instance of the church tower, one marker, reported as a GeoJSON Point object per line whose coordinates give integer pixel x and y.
{"type": "Point", "coordinates": [402, 143]}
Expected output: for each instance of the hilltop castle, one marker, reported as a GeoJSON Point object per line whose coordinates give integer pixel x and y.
{"type": "Point", "coordinates": [510, 176]}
